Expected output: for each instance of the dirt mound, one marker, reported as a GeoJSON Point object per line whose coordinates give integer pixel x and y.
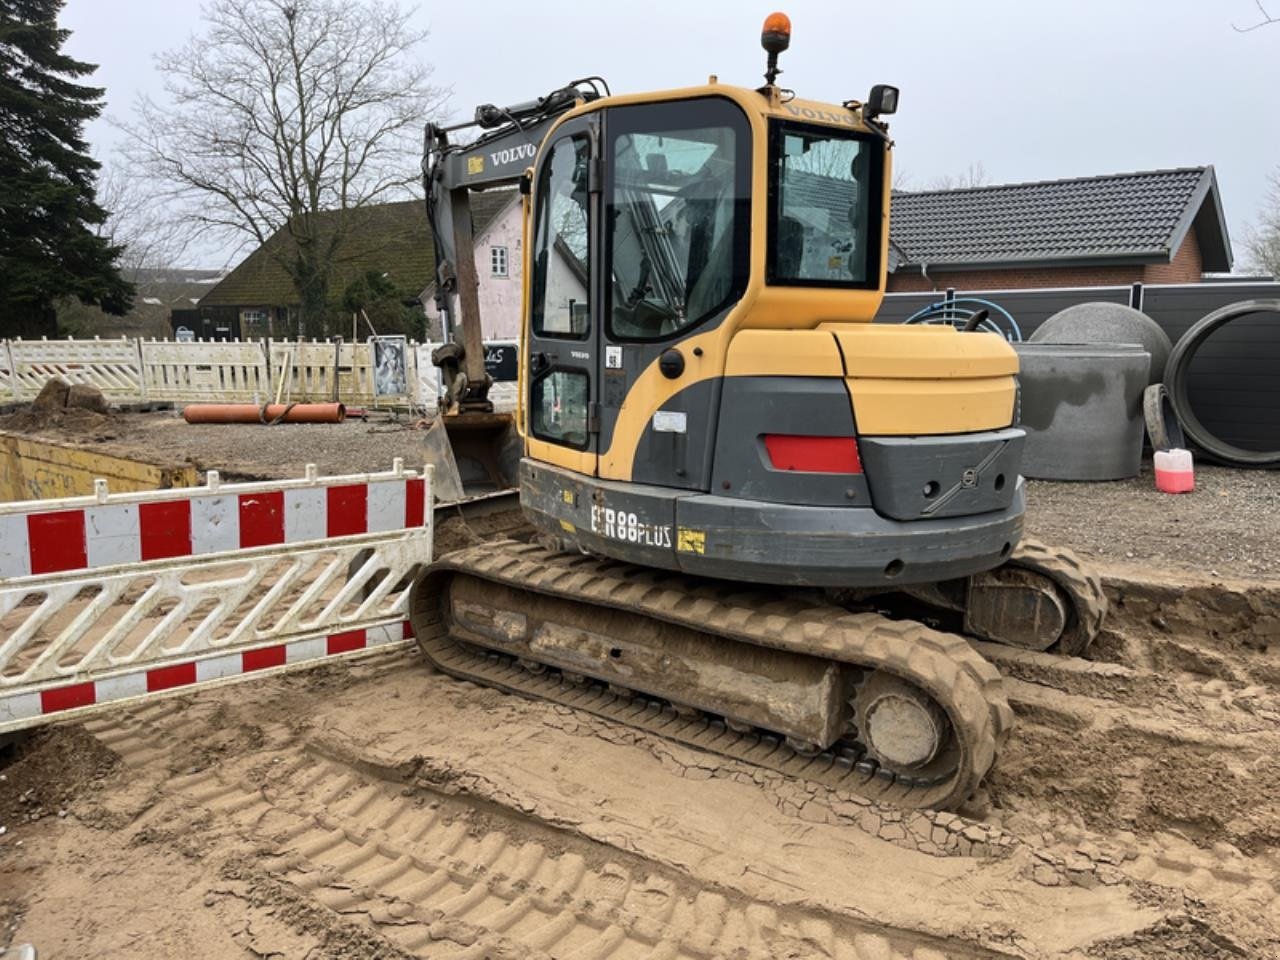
{"type": "Point", "coordinates": [74, 410]}
{"type": "Point", "coordinates": [46, 772]}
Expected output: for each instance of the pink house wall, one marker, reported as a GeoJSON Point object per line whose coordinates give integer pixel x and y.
{"type": "Point", "coordinates": [499, 296]}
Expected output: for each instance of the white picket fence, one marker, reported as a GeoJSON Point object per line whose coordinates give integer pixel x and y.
{"type": "Point", "coordinates": [219, 371]}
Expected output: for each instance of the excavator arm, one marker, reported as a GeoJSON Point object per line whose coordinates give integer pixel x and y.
{"type": "Point", "coordinates": [499, 157]}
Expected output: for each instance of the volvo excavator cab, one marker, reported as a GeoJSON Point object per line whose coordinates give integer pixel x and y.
{"type": "Point", "coordinates": [705, 406]}
{"type": "Point", "coordinates": [704, 388]}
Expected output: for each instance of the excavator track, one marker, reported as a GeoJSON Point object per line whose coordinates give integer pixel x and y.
{"type": "Point", "coordinates": [1040, 599]}
{"type": "Point", "coordinates": [966, 687]}
{"type": "Point", "coordinates": [1082, 588]}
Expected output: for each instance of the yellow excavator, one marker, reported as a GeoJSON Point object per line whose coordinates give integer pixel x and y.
{"type": "Point", "coordinates": [766, 526]}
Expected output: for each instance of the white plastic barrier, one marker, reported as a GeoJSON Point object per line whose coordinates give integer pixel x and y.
{"type": "Point", "coordinates": [135, 371]}
{"type": "Point", "coordinates": [6, 373]}
{"type": "Point", "coordinates": [110, 365]}
{"type": "Point", "coordinates": [213, 371]}
{"type": "Point", "coordinates": [429, 389]}
{"type": "Point", "coordinates": [308, 370]}
{"type": "Point", "coordinates": [116, 597]}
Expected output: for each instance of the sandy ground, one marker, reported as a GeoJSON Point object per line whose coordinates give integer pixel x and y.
{"type": "Point", "coordinates": [381, 810]}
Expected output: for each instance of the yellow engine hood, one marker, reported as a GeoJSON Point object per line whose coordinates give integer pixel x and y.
{"type": "Point", "coordinates": [924, 380]}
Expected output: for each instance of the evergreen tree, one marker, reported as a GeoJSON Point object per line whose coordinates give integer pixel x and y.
{"type": "Point", "coordinates": [48, 247]}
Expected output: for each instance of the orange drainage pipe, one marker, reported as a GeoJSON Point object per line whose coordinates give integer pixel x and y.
{"type": "Point", "coordinates": [266, 413]}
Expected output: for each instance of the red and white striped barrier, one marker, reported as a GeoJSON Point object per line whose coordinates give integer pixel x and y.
{"type": "Point", "coordinates": [115, 597]}
{"type": "Point", "coordinates": [84, 533]}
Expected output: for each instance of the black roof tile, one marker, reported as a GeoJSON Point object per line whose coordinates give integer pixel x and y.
{"type": "Point", "coordinates": [1128, 217]}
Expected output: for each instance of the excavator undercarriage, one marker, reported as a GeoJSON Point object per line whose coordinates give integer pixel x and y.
{"type": "Point", "coordinates": [795, 681]}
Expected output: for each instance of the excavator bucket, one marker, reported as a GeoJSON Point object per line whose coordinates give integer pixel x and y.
{"type": "Point", "coordinates": [473, 454]}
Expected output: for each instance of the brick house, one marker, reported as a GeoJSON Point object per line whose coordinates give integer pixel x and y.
{"type": "Point", "coordinates": [1157, 226]}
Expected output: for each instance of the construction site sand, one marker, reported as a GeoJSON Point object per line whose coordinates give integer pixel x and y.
{"type": "Point", "coordinates": [381, 810]}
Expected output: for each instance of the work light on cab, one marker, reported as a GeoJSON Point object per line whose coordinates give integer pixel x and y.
{"type": "Point", "coordinates": [775, 37]}
{"type": "Point", "coordinates": [883, 100]}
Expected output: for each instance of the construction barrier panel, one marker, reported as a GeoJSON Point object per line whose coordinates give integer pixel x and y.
{"type": "Point", "coordinates": [211, 371]}
{"type": "Point", "coordinates": [35, 468]}
{"type": "Point", "coordinates": [230, 371]}
{"type": "Point", "coordinates": [501, 357]}
{"type": "Point", "coordinates": [308, 371]}
{"type": "Point", "coordinates": [112, 366]}
{"type": "Point", "coordinates": [116, 597]}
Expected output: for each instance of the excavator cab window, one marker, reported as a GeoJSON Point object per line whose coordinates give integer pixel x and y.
{"type": "Point", "coordinates": [677, 212]}
{"type": "Point", "coordinates": [824, 207]}
{"type": "Point", "coordinates": [561, 270]}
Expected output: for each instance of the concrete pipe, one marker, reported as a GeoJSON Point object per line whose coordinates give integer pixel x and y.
{"type": "Point", "coordinates": [1081, 406]}
{"type": "Point", "coordinates": [265, 413]}
{"type": "Point", "coordinates": [1105, 323]}
{"type": "Point", "coordinates": [1178, 377]}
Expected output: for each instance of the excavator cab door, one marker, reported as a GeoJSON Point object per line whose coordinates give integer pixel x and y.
{"type": "Point", "coordinates": [563, 329]}
{"type": "Point", "coordinates": [676, 244]}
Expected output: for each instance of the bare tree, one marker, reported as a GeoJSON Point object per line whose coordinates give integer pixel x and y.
{"type": "Point", "coordinates": [1262, 238]}
{"type": "Point", "coordinates": [1266, 19]}
{"type": "Point", "coordinates": [289, 116]}
{"type": "Point", "coordinates": [139, 222]}
{"type": "Point", "coordinates": [974, 175]}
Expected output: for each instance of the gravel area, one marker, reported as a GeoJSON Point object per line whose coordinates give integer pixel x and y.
{"type": "Point", "coordinates": [283, 451]}
{"type": "Point", "coordinates": [1229, 527]}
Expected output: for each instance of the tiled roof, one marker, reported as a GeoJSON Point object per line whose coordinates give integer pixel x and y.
{"type": "Point", "coordinates": [393, 238]}
{"type": "Point", "coordinates": [1123, 218]}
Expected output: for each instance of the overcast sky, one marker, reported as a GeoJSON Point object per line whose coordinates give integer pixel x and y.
{"type": "Point", "coordinates": [1031, 89]}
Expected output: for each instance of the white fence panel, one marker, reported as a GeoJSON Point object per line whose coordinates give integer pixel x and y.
{"type": "Point", "coordinates": [116, 597]}
{"type": "Point", "coordinates": [308, 370]}
{"type": "Point", "coordinates": [131, 371]}
{"type": "Point", "coordinates": [426, 380]}
{"type": "Point", "coordinates": [428, 388]}
{"type": "Point", "coordinates": [6, 373]}
{"type": "Point", "coordinates": [110, 365]}
{"type": "Point", "coordinates": [213, 371]}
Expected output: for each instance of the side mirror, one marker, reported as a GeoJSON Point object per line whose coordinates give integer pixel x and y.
{"type": "Point", "coordinates": [882, 101]}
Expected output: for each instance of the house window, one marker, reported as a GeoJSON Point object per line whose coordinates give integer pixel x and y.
{"type": "Point", "coordinates": [498, 261]}
{"type": "Point", "coordinates": [253, 318]}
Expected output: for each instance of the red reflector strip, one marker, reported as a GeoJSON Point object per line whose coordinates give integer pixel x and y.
{"type": "Point", "coordinates": [263, 658]}
{"type": "Point", "coordinates": [813, 454]}
{"type": "Point", "coordinates": [56, 541]}
{"type": "Point", "coordinates": [345, 642]}
{"type": "Point", "coordinates": [166, 678]}
{"type": "Point", "coordinates": [67, 698]}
